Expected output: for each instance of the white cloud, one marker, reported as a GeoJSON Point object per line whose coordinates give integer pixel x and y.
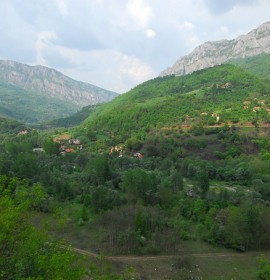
{"type": "Point", "coordinates": [189, 33]}
{"type": "Point", "coordinates": [187, 25]}
{"type": "Point", "coordinates": [43, 42]}
{"type": "Point", "coordinates": [140, 11]}
{"type": "Point", "coordinates": [110, 43]}
{"type": "Point", "coordinates": [106, 68]}
{"type": "Point", "coordinates": [150, 33]}
{"type": "Point", "coordinates": [134, 69]}
{"type": "Point", "coordinates": [223, 32]}
{"type": "Point", "coordinates": [63, 7]}
{"type": "Point", "coordinates": [224, 29]}
{"type": "Point", "coordinates": [194, 40]}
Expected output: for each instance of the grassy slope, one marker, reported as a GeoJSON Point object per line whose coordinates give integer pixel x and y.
{"type": "Point", "coordinates": [166, 101]}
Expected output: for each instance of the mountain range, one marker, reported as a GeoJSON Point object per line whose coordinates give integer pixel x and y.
{"type": "Point", "coordinates": [214, 53]}
{"type": "Point", "coordinates": [37, 93]}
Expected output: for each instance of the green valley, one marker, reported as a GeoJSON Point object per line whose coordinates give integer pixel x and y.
{"type": "Point", "coordinates": [171, 179]}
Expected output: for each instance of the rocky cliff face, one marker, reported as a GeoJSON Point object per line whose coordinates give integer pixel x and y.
{"type": "Point", "coordinates": [214, 53]}
{"type": "Point", "coordinates": [52, 83]}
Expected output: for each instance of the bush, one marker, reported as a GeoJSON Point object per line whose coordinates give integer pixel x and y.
{"type": "Point", "coordinates": [264, 268]}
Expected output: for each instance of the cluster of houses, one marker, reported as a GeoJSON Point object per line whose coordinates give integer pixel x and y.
{"type": "Point", "coordinates": [68, 145]}
{"type": "Point", "coordinates": [260, 105]}
{"type": "Point", "coordinates": [120, 149]}
{"type": "Point", "coordinates": [214, 115]}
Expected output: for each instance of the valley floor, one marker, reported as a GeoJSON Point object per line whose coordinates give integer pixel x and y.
{"type": "Point", "coordinates": [215, 265]}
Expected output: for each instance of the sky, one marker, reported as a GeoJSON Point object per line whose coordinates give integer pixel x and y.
{"type": "Point", "coordinates": [118, 44]}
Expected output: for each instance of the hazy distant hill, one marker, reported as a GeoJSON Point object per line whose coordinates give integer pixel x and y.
{"type": "Point", "coordinates": [74, 119]}
{"type": "Point", "coordinates": [36, 93]}
{"type": "Point", "coordinates": [210, 54]}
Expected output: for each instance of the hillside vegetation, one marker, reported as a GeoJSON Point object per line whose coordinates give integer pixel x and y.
{"type": "Point", "coordinates": [258, 64]}
{"type": "Point", "coordinates": [225, 91]}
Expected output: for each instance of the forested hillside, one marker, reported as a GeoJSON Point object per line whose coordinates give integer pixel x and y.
{"type": "Point", "coordinates": [222, 94]}
{"type": "Point", "coordinates": [258, 65]}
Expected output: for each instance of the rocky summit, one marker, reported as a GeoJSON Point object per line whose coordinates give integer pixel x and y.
{"type": "Point", "coordinates": [214, 53]}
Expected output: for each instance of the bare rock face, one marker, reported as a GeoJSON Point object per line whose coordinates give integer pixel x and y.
{"type": "Point", "coordinates": [49, 82]}
{"type": "Point", "coordinates": [215, 53]}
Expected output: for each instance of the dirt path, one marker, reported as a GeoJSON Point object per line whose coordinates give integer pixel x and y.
{"type": "Point", "coordinates": [155, 258]}
{"type": "Point", "coordinates": [215, 265]}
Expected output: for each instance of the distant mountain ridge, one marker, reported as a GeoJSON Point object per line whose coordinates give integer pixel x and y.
{"type": "Point", "coordinates": [53, 83]}
{"type": "Point", "coordinates": [215, 53]}
{"type": "Point", "coordinates": [37, 94]}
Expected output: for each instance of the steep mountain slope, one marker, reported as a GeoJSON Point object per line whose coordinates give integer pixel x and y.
{"type": "Point", "coordinates": [214, 53]}
{"type": "Point", "coordinates": [36, 94]}
{"type": "Point", "coordinates": [220, 94]}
